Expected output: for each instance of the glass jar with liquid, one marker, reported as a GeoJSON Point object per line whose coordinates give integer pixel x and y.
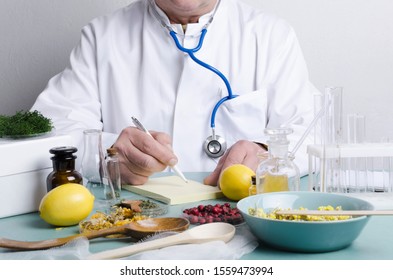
{"type": "Point", "coordinates": [63, 162]}
{"type": "Point", "coordinates": [277, 172]}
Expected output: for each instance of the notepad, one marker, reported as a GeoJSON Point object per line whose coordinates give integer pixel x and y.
{"type": "Point", "coordinates": [173, 190]}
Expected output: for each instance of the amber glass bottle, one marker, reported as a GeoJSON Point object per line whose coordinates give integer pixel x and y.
{"type": "Point", "coordinates": [64, 171]}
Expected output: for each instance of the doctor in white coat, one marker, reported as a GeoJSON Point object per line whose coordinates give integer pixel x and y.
{"type": "Point", "coordinates": [127, 64]}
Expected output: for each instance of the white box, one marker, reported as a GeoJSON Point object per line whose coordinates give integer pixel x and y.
{"type": "Point", "coordinates": [24, 166]}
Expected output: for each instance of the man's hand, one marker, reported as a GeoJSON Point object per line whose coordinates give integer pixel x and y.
{"type": "Point", "coordinates": [243, 152]}
{"type": "Point", "coordinates": [141, 155]}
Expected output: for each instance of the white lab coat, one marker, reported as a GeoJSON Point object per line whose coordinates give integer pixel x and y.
{"type": "Point", "coordinates": [126, 64]}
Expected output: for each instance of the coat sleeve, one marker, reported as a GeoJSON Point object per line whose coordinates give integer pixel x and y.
{"type": "Point", "coordinates": [72, 98]}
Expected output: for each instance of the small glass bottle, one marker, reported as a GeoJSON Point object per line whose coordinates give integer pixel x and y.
{"type": "Point", "coordinates": [112, 163]}
{"type": "Point", "coordinates": [64, 171]}
{"type": "Point", "coordinates": [253, 187]}
{"type": "Point", "coordinates": [277, 172]}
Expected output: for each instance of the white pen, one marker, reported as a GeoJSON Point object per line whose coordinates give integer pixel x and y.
{"type": "Point", "coordinates": [140, 126]}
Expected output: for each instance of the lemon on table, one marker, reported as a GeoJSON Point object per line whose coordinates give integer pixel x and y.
{"type": "Point", "coordinates": [235, 181]}
{"type": "Point", "coordinates": [66, 205]}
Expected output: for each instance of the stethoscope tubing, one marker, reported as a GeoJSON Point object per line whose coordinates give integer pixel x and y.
{"type": "Point", "coordinates": [215, 145]}
{"type": "Point", "coordinates": [191, 52]}
{"type": "Point", "coordinates": [186, 50]}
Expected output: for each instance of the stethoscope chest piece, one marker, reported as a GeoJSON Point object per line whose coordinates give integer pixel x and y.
{"type": "Point", "coordinates": [215, 146]}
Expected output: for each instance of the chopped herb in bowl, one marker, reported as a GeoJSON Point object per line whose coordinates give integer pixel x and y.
{"type": "Point", "coordinates": [24, 124]}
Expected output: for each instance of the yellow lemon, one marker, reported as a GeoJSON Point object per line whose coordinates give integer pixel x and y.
{"type": "Point", "coordinates": [66, 205]}
{"type": "Point", "coordinates": [235, 181]}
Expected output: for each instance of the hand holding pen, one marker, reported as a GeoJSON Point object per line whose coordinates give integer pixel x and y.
{"type": "Point", "coordinates": [140, 126]}
{"type": "Point", "coordinates": [141, 156]}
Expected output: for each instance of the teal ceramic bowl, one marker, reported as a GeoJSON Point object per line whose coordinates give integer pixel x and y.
{"type": "Point", "coordinates": [304, 236]}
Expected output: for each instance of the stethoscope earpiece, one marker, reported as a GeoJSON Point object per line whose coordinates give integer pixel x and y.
{"type": "Point", "coordinates": [215, 146]}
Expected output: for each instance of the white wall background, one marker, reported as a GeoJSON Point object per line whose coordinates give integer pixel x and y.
{"type": "Point", "coordinates": [346, 43]}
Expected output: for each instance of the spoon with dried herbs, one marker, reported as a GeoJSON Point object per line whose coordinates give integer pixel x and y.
{"type": "Point", "coordinates": [138, 230]}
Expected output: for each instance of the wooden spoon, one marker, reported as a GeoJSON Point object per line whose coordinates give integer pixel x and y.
{"type": "Point", "coordinates": [196, 235]}
{"type": "Point", "coordinates": [138, 230]}
{"type": "Point", "coordinates": [335, 212]}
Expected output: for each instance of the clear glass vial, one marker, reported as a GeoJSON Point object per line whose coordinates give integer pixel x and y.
{"type": "Point", "coordinates": [252, 190]}
{"type": "Point", "coordinates": [277, 172]}
{"type": "Point", "coordinates": [112, 163]}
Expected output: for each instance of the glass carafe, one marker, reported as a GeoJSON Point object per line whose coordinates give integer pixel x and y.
{"type": "Point", "coordinates": [94, 170]}
{"type": "Point", "coordinates": [277, 172]}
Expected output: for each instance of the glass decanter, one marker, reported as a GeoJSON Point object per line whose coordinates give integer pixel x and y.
{"type": "Point", "coordinates": [277, 172]}
{"type": "Point", "coordinates": [94, 170]}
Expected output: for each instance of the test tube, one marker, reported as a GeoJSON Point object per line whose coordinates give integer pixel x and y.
{"type": "Point", "coordinates": [356, 165]}
{"type": "Point", "coordinates": [370, 169]}
{"type": "Point", "coordinates": [390, 170]}
{"type": "Point", "coordinates": [390, 174]}
{"type": "Point", "coordinates": [356, 129]}
{"type": "Point", "coordinates": [332, 120]}
{"type": "Point", "coordinates": [387, 172]}
{"type": "Point", "coordinates": [331, 133]}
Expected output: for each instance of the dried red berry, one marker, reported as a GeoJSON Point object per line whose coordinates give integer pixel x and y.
{"type": "Point", "coordinates": [213, 213]}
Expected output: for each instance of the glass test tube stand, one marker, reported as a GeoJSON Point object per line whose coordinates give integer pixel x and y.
{"type": "Point", "coordinates": [349, 166]}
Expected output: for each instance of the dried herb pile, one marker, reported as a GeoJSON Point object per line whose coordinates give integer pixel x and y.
{"type": "Point", "coordinates": [24, 124]}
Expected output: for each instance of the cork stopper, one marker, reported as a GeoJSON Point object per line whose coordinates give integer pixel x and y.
{"type": "Point", "coordinates": [112, 151]}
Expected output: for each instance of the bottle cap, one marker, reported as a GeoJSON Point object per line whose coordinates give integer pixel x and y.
{"type": "Point", "coordinates": [253, 180]}
{"type": "Point", "coordinates": [63, 152]}
{"type": "Point", "coordinates": [278, 135]}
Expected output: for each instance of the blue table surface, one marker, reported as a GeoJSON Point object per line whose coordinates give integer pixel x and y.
{"type": "Point", "coordinates": [375, 241]}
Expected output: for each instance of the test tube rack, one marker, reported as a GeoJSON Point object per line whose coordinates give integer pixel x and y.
{"type": "Point", "coordinates": [351, 168]}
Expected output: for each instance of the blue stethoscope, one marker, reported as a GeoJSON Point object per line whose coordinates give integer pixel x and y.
{"type": "Point", "coordinates": [215, 145]}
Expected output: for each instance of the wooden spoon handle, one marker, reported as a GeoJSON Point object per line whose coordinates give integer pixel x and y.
{"type": "Point", "coordinates": [335, 212]}
{"type": "Point", "coordinates": [45, 244]}
{"type": "Point", "coordinates": [34, 245]}
{"type": "Point", "coordinates": [181, 238]}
